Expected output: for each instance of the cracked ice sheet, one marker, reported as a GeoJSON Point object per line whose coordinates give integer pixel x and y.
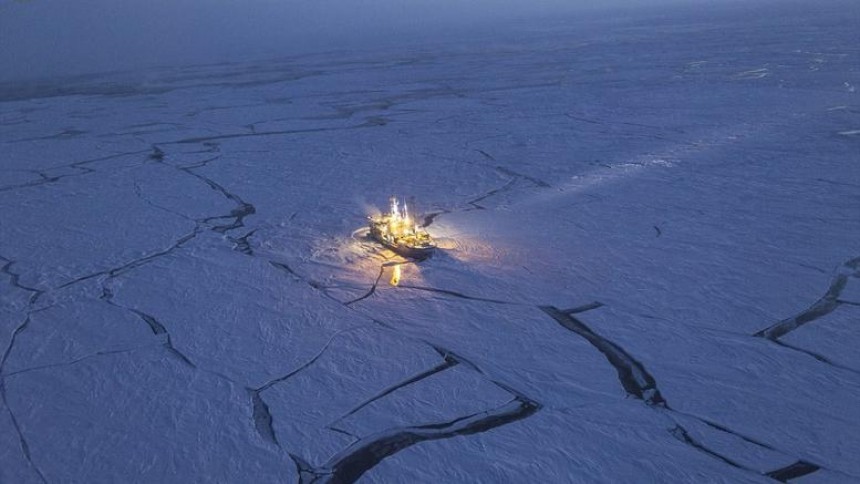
{"type": "Point", "coordinates": [730, 255]}
{"type": "Point", "coordinates": [172, 190]}
{"type": "Point", "coordinates": [578, 381]}
{"type": "Point", "coordinates": [744, 453]}
{"type": "Point", "coordinates": [747, 384]}
{"type": "Point", "coordinates": [90, 130]}
{"type": "Point", "coordinates": [289, 174]}
{"type": "Point", "coordinates": [517, 345]}
{"type": "Point", "coordinates": [64, 168]}
{"type": "Point", "coordinates": [14, 177]}
{"type": "Point", "coordinates": [834, 336]}
{"type": "Point", "coordinates": [112, 417]}
{"type": "Point", "coordinates": [25, 148]}
{"type": "Point", "coordinates": [356, 366]}
{"type": "Point", "coordinates": [716, 261]}
{"type": "Point", "coordinates": [445, 396]}
{"type": "Point", "coordinates": [71, 330]}
{"type": "Point", "coordinates": [59, 233]}
{"type": "Point", "coordinates": [234, 314]}
{"type": "Point", "coordinates": [465, 266]}
{"type": "Point", "coordinates": [562, 440]}
{"type": "Point", "coordinates": [619, 442]}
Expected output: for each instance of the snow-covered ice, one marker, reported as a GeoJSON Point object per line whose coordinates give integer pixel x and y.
{"type": "Point", "coordinates": [649, 264]}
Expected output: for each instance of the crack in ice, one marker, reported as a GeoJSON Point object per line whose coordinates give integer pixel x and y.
{"type": "Point", "coordinates": [635, 379]}
{"type": "Point", "coordinates": [351, 463]}
{"type": "Point", "coordinates": [822, 307]}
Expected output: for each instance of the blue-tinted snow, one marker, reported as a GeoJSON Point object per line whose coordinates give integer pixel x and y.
{"type": "Point", "coordinates": [648, 269]}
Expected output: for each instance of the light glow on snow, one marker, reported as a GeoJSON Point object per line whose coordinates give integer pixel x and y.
{"type": "Point", "coordinates": [395, 275]}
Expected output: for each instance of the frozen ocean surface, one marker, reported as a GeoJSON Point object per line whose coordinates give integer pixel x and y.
{"type": "Point", "coordinates": [650, 264]}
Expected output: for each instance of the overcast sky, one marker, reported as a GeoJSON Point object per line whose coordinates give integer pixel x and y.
{"type": "Point", "coordinates": [40, 38]}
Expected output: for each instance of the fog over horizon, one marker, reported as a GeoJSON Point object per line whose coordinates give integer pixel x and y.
{"type": "Point", "coordinates": [53, 38]}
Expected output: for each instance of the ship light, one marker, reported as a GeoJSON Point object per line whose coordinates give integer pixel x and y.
{"type": "Point", "coordinates": [400, 223]}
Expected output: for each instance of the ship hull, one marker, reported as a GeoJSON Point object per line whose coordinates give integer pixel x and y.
{"type": "Point", "coordinates": [408, 251]}
{"type": "Point", "coordinates": [418, 253]}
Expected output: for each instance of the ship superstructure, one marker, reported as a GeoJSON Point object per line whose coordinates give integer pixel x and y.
{"type": "Point", "coordinates": [398, 231]}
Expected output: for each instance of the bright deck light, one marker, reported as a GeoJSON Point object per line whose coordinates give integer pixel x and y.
{"type": "Point", "coordinates": [400, 233]}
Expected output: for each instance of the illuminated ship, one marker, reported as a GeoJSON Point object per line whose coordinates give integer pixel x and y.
{"type": "Point", "coordinates": [399, 232]}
